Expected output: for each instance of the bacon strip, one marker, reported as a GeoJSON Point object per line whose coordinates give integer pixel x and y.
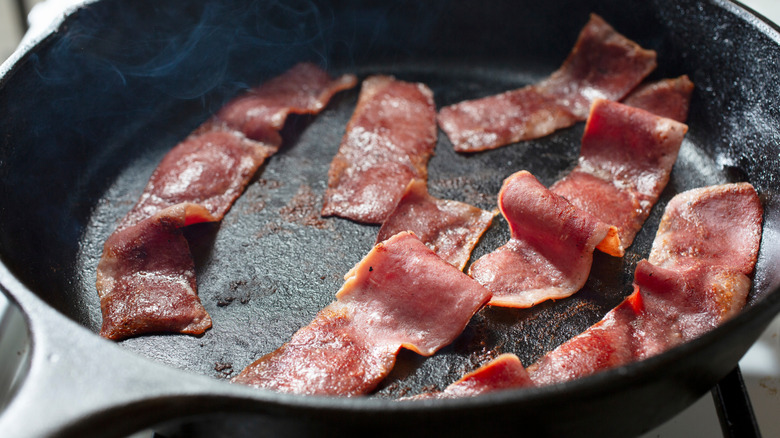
{"type": "Point", "coordinates": [626, 158]}
{"type": "Point", "coordinates": [716, 226]}
{"type": "Point", "coordinates": [668, 98]}
{"type": "Point", "coordinates": [450, 228]}
{"type": "Point", "coordinates": [550, 251]}
{"type": "Point", "coordinates": [697, 277]}
{"type": "Point", "coordinates": [504, 372]}
{"type": "Point", "coordinates": [602, 64]}
{"type": "Point", "coordinates": [146, 279]}
{"type": "Point", "coordinates": [214, 164]}
{"type": "Point", "coordinates": [400, 295]}
{"type": "Point", "coordinates": [388, 142]}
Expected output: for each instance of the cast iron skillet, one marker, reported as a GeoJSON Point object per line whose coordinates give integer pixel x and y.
{"type": "Point", "coordinates": [90, 110]}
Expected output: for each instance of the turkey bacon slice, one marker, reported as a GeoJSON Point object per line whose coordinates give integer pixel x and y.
{"type": "Point", "coordinates": [697, 277]}
{"type": "Point", "coordinates": [400, 295]}
{"type": "Point", "coordinates": [625, 162]}
{"type": "Point", "coordinates": [197, 181]}
{"type": "Point", "coordinates": [388, 142]}
{"type": "Point", "coordinates": [146, 277]}
{"type": "Point", "coordinates": [550, 251]}
{"type": "Point", "coordinates": [450, 228]}
{"type": "Point", "coordinates": [216, 162]}
{"type": "Point", "coordinates": [603, 64]}
{"type": "Point", "coordinates": [668, 98]}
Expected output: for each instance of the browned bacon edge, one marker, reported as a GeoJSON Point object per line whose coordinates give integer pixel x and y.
{"type": "Point", "coordinates": [145, 278]}
{"type": "Point", "coordinates": [697, 277]}
{"type": "Point", "coordinates": [388, 142]}
{"type": "Point", "coordinates": [450, 228]}
{"type": "Point", "coordinates": [400, 295]}
{"type": "Point", "coordinates": [602, 64]}
{"type": "Point", "coordinates": [550, 251]}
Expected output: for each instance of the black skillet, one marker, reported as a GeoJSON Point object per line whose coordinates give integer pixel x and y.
{"type": "Point", "coordinates": [87, 113]}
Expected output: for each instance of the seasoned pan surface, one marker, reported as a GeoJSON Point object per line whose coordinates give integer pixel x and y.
{"type": "Point", "coordinates": [113, 92]}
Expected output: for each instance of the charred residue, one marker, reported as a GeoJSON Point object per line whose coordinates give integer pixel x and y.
{"type": "Point", "coordinates": [303, 209]}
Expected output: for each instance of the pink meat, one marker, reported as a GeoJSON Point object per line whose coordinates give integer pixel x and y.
{"type": "Point", "coordinates": [697, 277]}
{"type": "Point", "coordinates": [146, 277]}
{"type": "Point", "coordinates": [668, 98]}
{"type": "Point", "coordinates": [140, 276]}
{"type": "Point", "coordinates": [216, 162]}
{"type": "Point", "coordinates": [388, 142]}
{"type": "Point", "coordinates": [718, 226]}
{"type": "Point", "coordinates": [327, 357]}
{"type": "Point", "coordinates": [602, 64]}
{"type": "Point", "coordinates": [209, 168]}
{"type": "Point", "coordinates": [261, 112]}
{"type": "Point", "coordinates": [625, 162]}
{"type": "Point", "coordinates": [503, 372]}
{"type": "Point", "coordinates": [550, 251]}
{"type": "Point", "coordinates": [400, 295]}
{"type": "Point", "coordinates": [450, 228]}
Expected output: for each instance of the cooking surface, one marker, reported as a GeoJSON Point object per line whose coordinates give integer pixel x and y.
{"type": "Point", "coordinates": [281, 211]}
{"type": "Point", "coordinates": [273, 262]}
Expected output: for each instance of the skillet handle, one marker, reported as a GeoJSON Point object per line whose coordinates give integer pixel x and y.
{"type": "Point", "coordinates": [78, 384]}
{"type": "Point", "coordinates": [734, 408]}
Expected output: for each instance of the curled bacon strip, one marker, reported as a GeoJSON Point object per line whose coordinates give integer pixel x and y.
{"type": "Point", "coordinates": [450, 228]}
{"type": "Point", "coordinates": [626, 158]}
{"type": "Point", "coordinates": [625, 162]}
{"type": "Point", "coordinates": [603, 64]}
{"type": "Point", "coordinates": [550, 251]}
{"type": "Point", "coordinates": [146, 278]}
{"type": "Point", "coordinates": [696, 277]}
{"type": "Point", "coordinates": [400, 295]}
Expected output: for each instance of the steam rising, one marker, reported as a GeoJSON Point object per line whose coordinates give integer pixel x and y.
{"type": "Point", "coordinates": [186, 50]}
{"type": "Point", "coordinates": [189, 49]}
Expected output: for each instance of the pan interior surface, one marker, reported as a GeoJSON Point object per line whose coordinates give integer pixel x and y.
{"type": "Point", "coordinates": [122, 89]}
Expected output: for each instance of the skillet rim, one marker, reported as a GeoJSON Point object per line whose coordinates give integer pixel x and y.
{"type": "Point", "coordinates": [757, 314]}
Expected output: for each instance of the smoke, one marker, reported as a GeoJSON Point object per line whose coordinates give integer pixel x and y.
{"type": "Point", "coordinates": [186, 50]}
{"type": "Point", "coordinates": [183, 50]}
